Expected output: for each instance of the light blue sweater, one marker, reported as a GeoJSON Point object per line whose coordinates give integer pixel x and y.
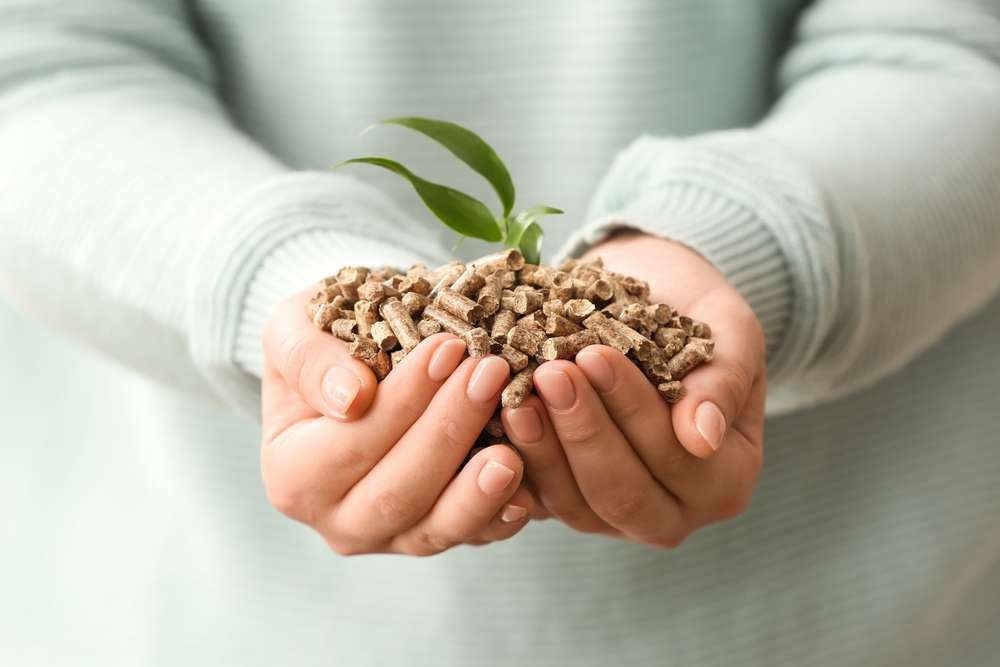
{"type": "Point", "coordinates": [162, 186]}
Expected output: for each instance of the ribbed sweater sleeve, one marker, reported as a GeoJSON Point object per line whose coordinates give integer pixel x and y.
{"type": "Point", "coordinates": [859, 218]}
{"type": "Point", "coordinates": [133, 214]}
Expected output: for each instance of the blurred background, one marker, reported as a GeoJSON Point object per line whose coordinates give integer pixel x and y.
{"type": "Point", "coordinates": [134, 529]}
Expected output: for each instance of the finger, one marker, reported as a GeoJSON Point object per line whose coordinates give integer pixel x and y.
{"type": "Point", "coordinates": [315, 461]}
{"type": "Point", "coordinates": [404, 485]}
{"type": "Point", "coordinates": [539, 512]}
{"type": "Point", "coordinates": [612, 478]}
{"type": "Point", "coordinates": [640, 414]}
{"type": "Point", "coordinates": [721, 487]}
{"type": "Point", "coordinates": [280, 407]}
{"type": "Point", "coordinates": [718, 391]}
{"type": "Point", "coordinates": [468, 504]}
{"type": "Point", "coordinates": [713, 488]}
{"type": "Point", "coordinates": [511, 518]}
{"type": "Point", "coordinates": [530, 430]}
{"type": "Point", "coordinates": [316, 365]}
{"type": "Point", "coordinates": [725, 483]}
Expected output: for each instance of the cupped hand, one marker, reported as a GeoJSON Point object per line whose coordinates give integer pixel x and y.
{"type": "Point", "coordinates": [606, 454]}
{"type": "Point", "coordinates": [372, 467]}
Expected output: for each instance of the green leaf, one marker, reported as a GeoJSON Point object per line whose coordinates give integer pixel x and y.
{"type": "Point", "coordinates": [466, 215]}
{"type": "Point", "coordinates": [525, 234]}
{"type": "Point", "coordinates": [530, 243]}
{"type": "Point", "coordinates": [468, 147]}
{"type": "Point", "coordinates": [524, 219]}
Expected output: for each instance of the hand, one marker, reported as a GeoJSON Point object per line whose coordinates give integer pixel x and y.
{"type": "Point", "coordinates": [372, 467]}
{"type": "Point", "coordinates": [606, 454]}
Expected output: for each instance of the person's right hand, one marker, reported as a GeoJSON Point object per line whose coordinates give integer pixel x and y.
{"type": "Point", "coordinates": [371, 467]}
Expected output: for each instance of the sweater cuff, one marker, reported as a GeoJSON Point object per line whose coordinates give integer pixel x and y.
{"type": "Point", "coordinates": [746, 208]}
{"type": "Point", "coordinates": [298, 262]}
{"type": "Point", "coordinates": [732, 239]}
{"type": "Point", "coordinates": [275, 241]}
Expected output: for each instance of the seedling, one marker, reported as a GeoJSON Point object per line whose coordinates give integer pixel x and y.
{"type": "Point", "coordinates": [506, 303]}
{"type": "Point", "coordinates": [462, 212]}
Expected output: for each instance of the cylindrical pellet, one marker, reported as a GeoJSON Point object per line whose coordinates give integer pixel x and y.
{"type": "Point", "coordinates": [414, 302]}
{"type": "Point", "coordinates": [460, 306]}
{"type": "Point", "coordinates": [518, 389]}
{"type": "Point", "coordinates": [503, 322]}
{"type": "Point", "coordinates": [567, 347]}
{"type": "Point", "coordinates": [427, 327]}
{"type": "Point", "coordinates": [383, 335]}
{"type": "Point", "coordinates": [448, 322]}
{"type": "Point", "coordinates": [525, 339]}
{"type": "Point", "coordinates": [516, 359]}
{"type": "Point", "coordinates": [395, 313]}
{"type": "Point", "coordinates": [477, 342]}
{"type": "Point", "coordinates": [366, 316]}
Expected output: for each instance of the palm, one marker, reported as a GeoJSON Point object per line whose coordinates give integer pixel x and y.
{"type": "Point", "coordinates": [617, 459]}
{"type": "Point", "coordinates": [680, 277]}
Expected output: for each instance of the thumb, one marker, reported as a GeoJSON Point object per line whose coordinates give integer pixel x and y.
{"type": "Point", "coordinates": [316, 365]}
{"type": "Point", "coordinates": [717, 393]}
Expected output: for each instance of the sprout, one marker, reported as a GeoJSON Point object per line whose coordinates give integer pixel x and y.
{"type": "Point", "coordinates": [465, 214]}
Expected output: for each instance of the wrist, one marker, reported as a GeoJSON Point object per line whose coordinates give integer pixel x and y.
{"type": "Point", "coordinates": [676, 273]}
{"type": "Point", "coordinates": [272, 242]}
{"type": "Point", "coordinates": [724, 246]}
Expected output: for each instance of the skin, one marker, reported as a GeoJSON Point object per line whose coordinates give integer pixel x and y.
{"type": "Point", "coordinates": [614, 458]}
{"type": "Point", "coordinates": [379, 476]}
{"type": "Point", "coordinates": [372, 472]}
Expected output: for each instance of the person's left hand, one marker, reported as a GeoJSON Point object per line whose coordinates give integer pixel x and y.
{"type": "Point", "coordinates": [606, 454]}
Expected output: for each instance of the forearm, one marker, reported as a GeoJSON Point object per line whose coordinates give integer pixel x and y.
{"type": "Point", "coordinates": [911, 193]}
{"type": "Point", "coordinates": [134, 215]}
{"type": "Point", "coordinates": [857, 192]}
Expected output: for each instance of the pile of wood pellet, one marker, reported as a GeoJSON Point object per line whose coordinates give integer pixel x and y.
{"type": "Point", "coordinates": [526, 313]}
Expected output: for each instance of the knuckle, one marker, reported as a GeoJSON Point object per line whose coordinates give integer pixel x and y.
{"type": "Point", "coordinates": [352, 457]}
{"type": "Point", "coordinates": [409, 408]}
{"type": "Point", "coordinates": [733, 505]}
{"type": "Point", "coordinates": [395, 509]}
{"type": "Point", "coordinates": [458, 433]}
{"type": "Point", "coordinates": [312, 369]}
{"type": "Point", "coordinates": [673, 461]}
{"type": "Point", "coordinates": [579, 432]}
{"type": "Point", "coordinates": [285, 503]}
{"type": "Point", "coordinates": [295, 354]}
{"type": "Point", "coordinates": [628, 410]}
{"type": "Point", "coordinates": [581, 520]}
{"type": "Point", "coordinates": [291, 503]}
{"type": "Point", "coordinates": [623, 508]}
{"type": "Point", "coordinates": [736, 381]}
{"type": "Point", "coordinates": [429, 544]}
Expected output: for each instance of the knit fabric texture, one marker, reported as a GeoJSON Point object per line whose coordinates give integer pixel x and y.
{"type": "Point", "coordinates": [164, 183]}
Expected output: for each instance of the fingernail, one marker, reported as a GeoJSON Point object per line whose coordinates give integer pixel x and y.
{"type": "Point", "coordinates": [597, 369]}
{"type": "Point", "coordinates": [494, 477]}
{"type": "Point", "coordinates": [489, 377]}
{"type": "Point", "coordinates": [556, 389]}
{"type": "Point", "coordinates": [445, 359]}
{"type": "Point", "coordinates": [711, 423]}
{"type": "Point", "coordinates": [340, 388]}
{"type": "Point", "coordinates": [525, 425]}
{"type": "Point", "coordinates": [512, 513]}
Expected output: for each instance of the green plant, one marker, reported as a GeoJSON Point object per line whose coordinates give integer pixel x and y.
{"type": "Point", "coordinates": [465, 214]}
